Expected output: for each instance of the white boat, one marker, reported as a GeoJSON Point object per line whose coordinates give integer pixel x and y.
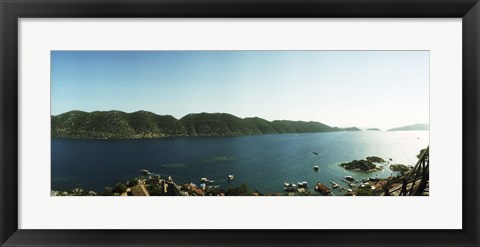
{"type": "Point", "coordinates": [206, 181]}
{"type": "Point", "coordinates": [230, 177]}
{"type": "Point", "coordinates": [303, 184]}
{"type": "Point", "coordinates": [334, 185]}
{"type": "Point", "coordinates": [144, 172]}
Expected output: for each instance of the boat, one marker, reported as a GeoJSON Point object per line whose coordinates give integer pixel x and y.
{"type": "Point", "coordinates": [303, 184]}
{"type": "Point", "coordinates": [315, 153]}
{"type": "Point", "coordinates": [334, 185]}
{"type": "Point", "coordinates": [230, 177]}
{"type": "Point", "coordinates": [315, 168]}
{"type": "Point", "coordinates": [323, 189]}
{"type": "Point", "coordinates": [206, 181]}
{"type": "Point", "coordinates": [145, 172]}
{"type": "Point", "coordinates": [290, 187]}
{"type": "Point", "coordinates": [349, 178]}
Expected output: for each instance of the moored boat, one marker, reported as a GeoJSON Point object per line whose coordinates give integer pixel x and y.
{"type": "Point", "coordinates": [290, 187]}
{"type": "Point", "coordinates": [323, 189]}
{"type": "Point", "coordinates": [303, 184]}
{"type": "Point", "coordinates": [206, 181]}
{"type": "Point", "coordinates": [334, 185]}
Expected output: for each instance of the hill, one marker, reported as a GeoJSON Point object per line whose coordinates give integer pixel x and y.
{"type": "Point", "coordinates": [143, 124]}
{"type": "Point", "coordinates": [412, 127]}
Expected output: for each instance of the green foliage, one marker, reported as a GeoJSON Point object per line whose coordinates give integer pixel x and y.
{"type": "Point", "coordinates": [107, 191]}
{"type": "Point", "coordinates": [375, 159]}
{"type": "Point", "coordinates": [364, 192]}
{"type": "Point", "coordinates": [241, 190]}
{"type": "Point", "coordinates": [132, 182]}
{"type": "Point", "coordinates": [143, 124]}
{"type": "Point", "coordinates": [156, 191]}
{"type": "Point", "coordinates": [363, 165]}
{"type": "Point", "coordinates": [399, 168]}
{"type": "Point", "coordinates": [120, 188]}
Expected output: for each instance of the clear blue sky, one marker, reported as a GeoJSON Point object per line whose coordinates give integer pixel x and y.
{"type": "Point", "coordinates": [381, 89]}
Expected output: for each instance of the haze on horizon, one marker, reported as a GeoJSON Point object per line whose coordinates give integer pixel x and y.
{"type": "Point", "coordinates": [366, 89]}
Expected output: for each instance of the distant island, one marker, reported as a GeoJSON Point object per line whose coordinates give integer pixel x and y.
{"type": "Point", "coordinates": [412, 127]}
{"type": "Point", "coordinates": [144, 124]}
{"type": "Point", "coordinates": [373, 129]}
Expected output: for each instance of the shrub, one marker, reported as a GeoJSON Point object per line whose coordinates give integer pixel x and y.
{"type": "Point", "coordinates": [364, 192]}
{"type": "Point", "coordinates": [107, 191]}
{"type": "Point", "coordinates": [120, 188]}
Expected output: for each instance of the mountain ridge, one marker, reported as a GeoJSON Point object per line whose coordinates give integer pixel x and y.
{"type": "Point", "coordinates": [143, 124]}
{"type": "Point", "coordinates": [418, 126]}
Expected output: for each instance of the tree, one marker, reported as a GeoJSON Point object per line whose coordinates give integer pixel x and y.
{"type": "Point", "coordinates": [107, 191]}
{"type": "Point", "coordinates": [157, 191]}
{"type": "Point", "coordinates": [364, 192]}
{"type": "Point", "coordinates": [132, 182]}
{"type": "Point", "coordinates": [120, 188]}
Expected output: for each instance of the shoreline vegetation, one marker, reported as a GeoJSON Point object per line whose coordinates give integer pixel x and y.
{"type": "Point", "coordinates": [143, 124]}
{"type": "Point", "coordinates": [151, 184]}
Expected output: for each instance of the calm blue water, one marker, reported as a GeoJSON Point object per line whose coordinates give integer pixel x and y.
{"type": "Point", "coordinates": [263, 162]}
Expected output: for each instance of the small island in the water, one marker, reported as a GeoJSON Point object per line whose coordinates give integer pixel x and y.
{"type": "Point", "coordinates": [366, 165]}
{"type": "Point", "coordinates": [144, 124]}
{"type": "Point", "coordinates": [373, 129]}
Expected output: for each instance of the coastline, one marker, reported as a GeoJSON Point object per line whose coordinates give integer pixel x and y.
{"type": "Point", "coordinates": [152, 184]}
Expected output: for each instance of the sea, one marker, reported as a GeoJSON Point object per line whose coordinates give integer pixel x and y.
{"type": "Point", "coordinates": [262, 162]}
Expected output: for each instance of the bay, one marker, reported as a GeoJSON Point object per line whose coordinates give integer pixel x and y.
{"type": "Point", "coordinates": [262, 162]}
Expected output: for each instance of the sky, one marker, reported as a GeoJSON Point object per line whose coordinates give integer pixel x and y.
{"type": "Point", "coordinates": [366, 89]}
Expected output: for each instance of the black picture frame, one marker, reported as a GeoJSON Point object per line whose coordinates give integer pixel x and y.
{"type": "Point", "coordinates": [12, 10]}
